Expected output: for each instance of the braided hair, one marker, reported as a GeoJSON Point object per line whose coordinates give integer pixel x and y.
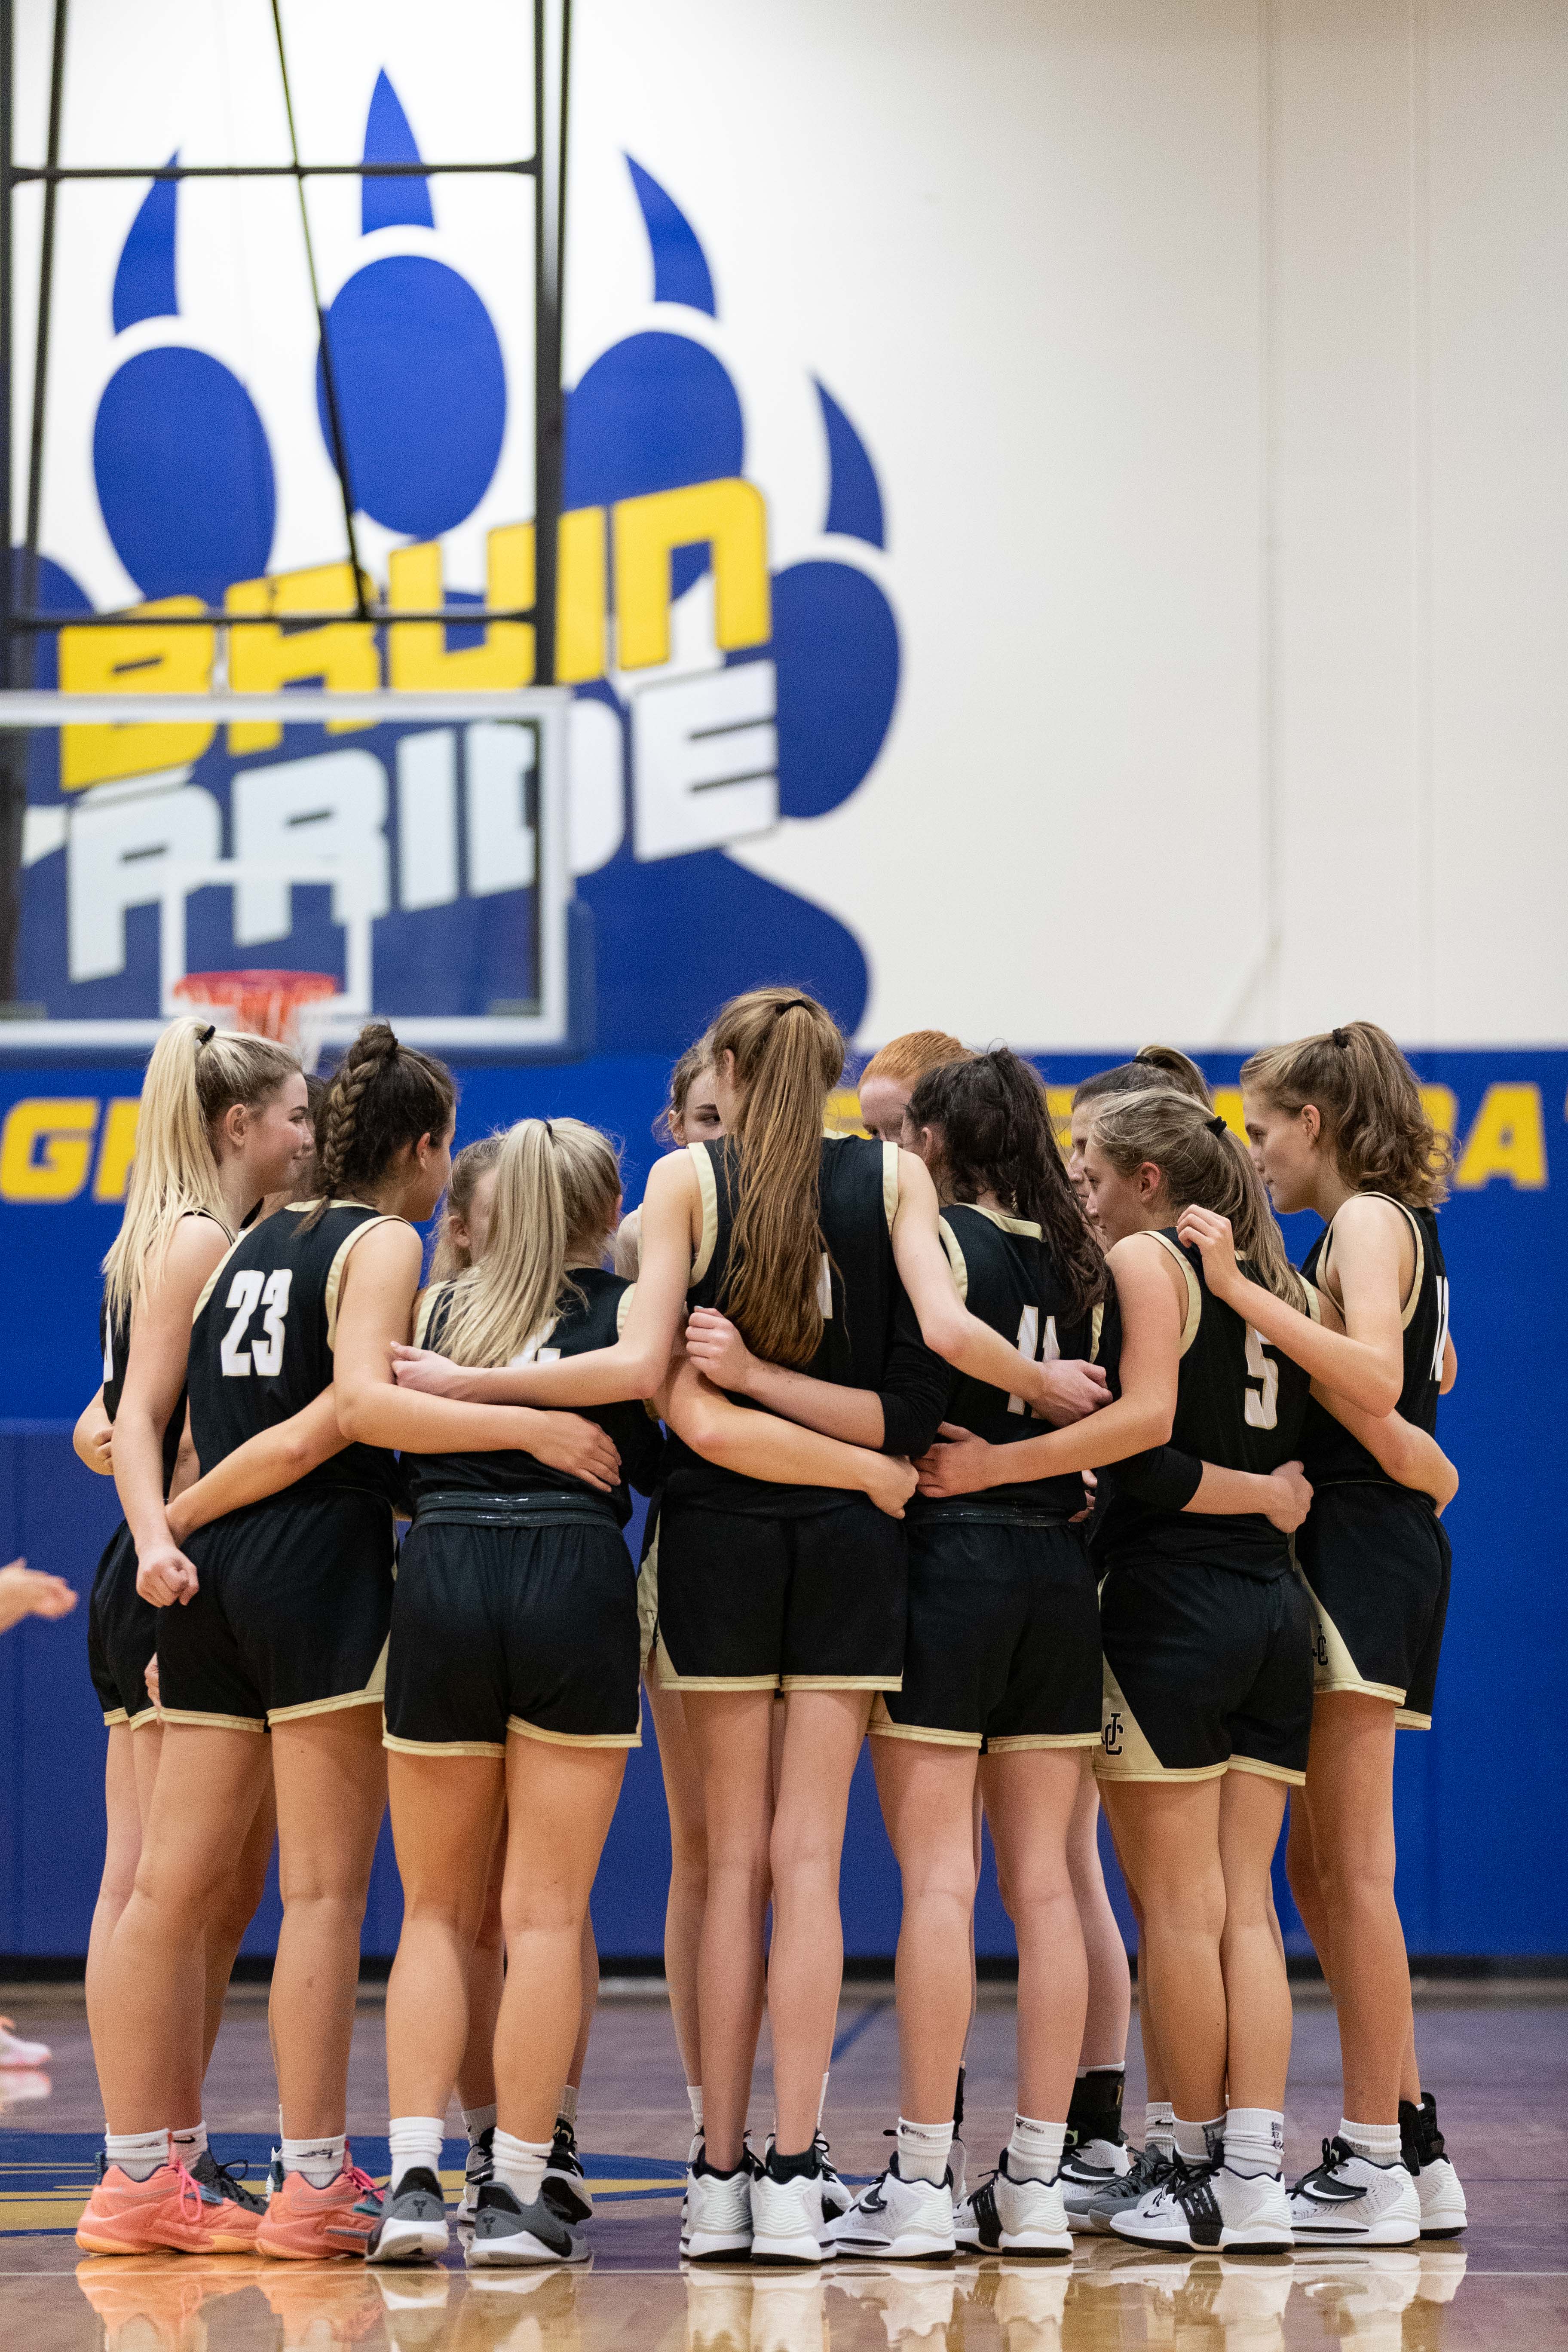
{"type": "Point", "coordinates": [993, 1125]}
{"type": "Point", "coordinates": [383, 1096]}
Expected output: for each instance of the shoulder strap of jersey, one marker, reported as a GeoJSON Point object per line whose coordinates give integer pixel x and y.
{"type": "Point", "coordinates": [1413, 1299]}
{"type": "Point", "coordinates": [1096, 1325]}
{"type": "Point", "coordinates": [437, 1294]}
{"type": "Point", "coordinates": [623, 1307]}
{"type": "Point", "coordinates": [889, 1182]}
{"type": "Point", "coordinates": [210, 1285]}
{"type": "Point", "coordinates": [1195, 1288]}
{"type": "Point", "coordinates": [707, 1193]}
{"type": "Point", "coordinates": [341, 1257]}
{"type": "Point", "coordinates": [956, 1260]}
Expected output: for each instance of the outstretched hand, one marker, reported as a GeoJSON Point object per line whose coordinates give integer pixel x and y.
{"type": "Point", "coordinates": [29, 1592]}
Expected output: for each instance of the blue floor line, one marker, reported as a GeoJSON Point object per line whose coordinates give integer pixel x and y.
{"type": "Point", "coordinates": [851, 2034]}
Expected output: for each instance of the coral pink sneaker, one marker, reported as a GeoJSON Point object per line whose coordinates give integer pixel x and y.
{"type": "Point", "coordinates": [306, 2224]}
{"type": "Point", "coordinates": [168, 2209]}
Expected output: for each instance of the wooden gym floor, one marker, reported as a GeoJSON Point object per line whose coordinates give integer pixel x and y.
{"type": "Point", "coordinates": [1498, 2065]}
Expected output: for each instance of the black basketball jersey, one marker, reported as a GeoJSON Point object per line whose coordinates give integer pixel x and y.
{"type": "Point", "coordinates": [1240, 1404]}
{"type": "Point", "coordinates": [870, 1335]}
{"type": "Point", "coordinates": [1007, 1278]}
{"type": "Point", "coordinates": [115, 1344]}
{"type": "Point", "coordinates": [261, 1343]}
{"type": "Point", "coordinates": [1333, 1457]}
{"type": "Point", "coordinates": [590, 1320]}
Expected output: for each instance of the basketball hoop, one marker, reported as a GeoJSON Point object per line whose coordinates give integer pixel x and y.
{"type": "Point", "coordinates": [265, 1003]}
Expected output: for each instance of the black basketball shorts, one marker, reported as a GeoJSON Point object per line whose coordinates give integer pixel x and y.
{"type": "Point", "coordinates": [1376, 1565]}
{"type": "Point", "coordinates": [814, 1602]}
{"type": "Point", "coordinates": [121, 1636]}
{"type": "Point", "coordinates": [290, 1613]}
{"type": "Point", "coordinates": [1208, 1669]}
{"type": "Point", "coordinates": [1003, 1651]}
{"type": "Point", "coordinates": [513, 1614]}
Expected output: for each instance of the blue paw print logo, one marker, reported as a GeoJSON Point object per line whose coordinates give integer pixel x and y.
{"type": "Point", "coordinates": [678, 762]}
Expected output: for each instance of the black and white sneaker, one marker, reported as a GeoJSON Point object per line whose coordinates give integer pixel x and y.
{"type": "Point", "coordinates": [1089, 2170]}
{"type": "Point", "coordinates": [1150, 2169]}
{"type": "Point", "coordinates": [224, 2181]}
{"type": "Point", "coordinates": [508, 2235]}
{"type": "Point", "coordinates": [413, 2224]}
{"type": "Point", "coordinates": [1005, 2216]}
{"type": "Point", "coordinates": [478, 2172]}
{"type": "Point", "coordinates": [565, 2189]}
{"type": "Point", "coordinates": [1437, 2186]}
{"type": "Point", "coordinates": [898, 2220]}
{"type": "Point", "coordinates": [1211, 2209]}
{"type": "Point", "coordinates": [787, 2226]}
{"type": "Point", "coordinates": [836, 2198]}
{"type": "Point", "coordinates": [1347, 2201]}
{"type": "Point", "coordinates": [716, 2216]}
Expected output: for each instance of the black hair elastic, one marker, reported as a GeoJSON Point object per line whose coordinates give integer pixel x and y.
{"type": "Point", "coordinates": [797, 1004]}
{"type": "Point", "coordinates": [1341, 1039]}
{"type": "Point", "coordinates": [549, 1129]}
{"type": "Point", "coordinates": [204, 1036]}
{"type": "Point", "coordinates": [1217, 1124]}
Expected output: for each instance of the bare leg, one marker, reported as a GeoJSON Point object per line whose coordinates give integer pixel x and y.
{"type": "Point", "coordinates": [1110, 2008]}
{"type": "Point", "coordinates": [151, 2003]}
{"type": "Point", "coordinates": [122, 1853]}
{"type": "Point", "coordinates": [1030, 1798]}
{"type": "Point", "coordinates": [687, 1870]}
{"type": "Point", "coordinates": [1256, 1991]}
{"type": "Point", "coordinates": [823, 1732]}
{"type": "Point", "coordinates": [443, 1810]}
{"type": "Point", "coordinates": [487, 1976]}
{"type": "Point", "coordinates": [330, 1772]}
{"type": "Point", "coordinates": [731, 1734]}
{"type": "Point", "coordinates": [1156, 2083]}
{"type": "Point", "coordinates": [588, 1995]}
{"type": "Point", "coordinates": [226, 1930]}
{"type": "Point", "coordinates": [1170, 1837]}
{"type": "Point", "coordinates": [560, 1804]}
{"type": "Point", "coordinates": [1350, 1804]}
{"type": "Point", "coordinates": [927, 1794]}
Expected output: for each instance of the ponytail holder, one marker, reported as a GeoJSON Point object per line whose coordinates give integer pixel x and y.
{"type": "Point", "coordinates": [204, 1036]}
{"type": "Point", "coordinates": [549, 1129]}
{"type": "Point", "coordinates": [797, 1004]}
{"type": "Point", "coordinates": [1217, 1124]}
{"type": "Point", "coordinates": [1341, 1039]}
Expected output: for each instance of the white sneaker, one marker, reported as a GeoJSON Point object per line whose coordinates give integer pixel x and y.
{"type": "Point", "coordinates": [1211, 2209]}
{"type": "Point", "coordinates": [898, 2220]}
{"type": "Point", "coordinates": [1005, 2216]}
{"type": "Point", "coordinates": [958, 2164]}
{"type": "Point", "coordinates": [479, 2171]}
{"type": "Point", "coordinates": [786, 2218]}
{"type": "Point", "coordinates": [716, 2218]}
{"type": "Point", "coordinates": [1348, 2202]}
{"type": "Point", "coordinates": [836, 2198]}
{"type": "Point", "coordinates": [1088, 2171]}
{"type": "Point", "coordinates": [1441, 2197]}
{"type": "Point", "coordinates": [14, 2052]}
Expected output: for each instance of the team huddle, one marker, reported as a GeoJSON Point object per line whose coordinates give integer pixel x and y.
{"type": "Point", "coordinates": [1054, 1477]}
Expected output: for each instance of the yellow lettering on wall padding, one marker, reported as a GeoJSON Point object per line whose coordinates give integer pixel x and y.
{"type": "Point", "coordinates": [47, 1146]}
{"type": "Point", "coordinates": [139, 661]}
{"type": "Point", "coordinates": [732, 517]}
{"type": "Point", "coordinates": [1508, 1139]}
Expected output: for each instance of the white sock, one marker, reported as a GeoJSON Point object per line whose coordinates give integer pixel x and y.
{"type": "Point", "coordinates": [1195, 2142]}
{"type": "Point", "coordinates": [1379, 2143]}
{"type": "Point", "coordinates": [1254, 2141]}
{"type": "Point", "coordinates": [822, 2101]}
{"type": "Point", "coordinates": [694, 2100]}
{"type": "Point", "coordinates": [477, 2121]}
{"type": "Point", "coordinates": [1034, 2151]}
{"type": "Point", "coordinates": [184, 2146]}
{"type": "Point", "coordinates": [320, 2161]}
{"type": "Point", "coordinates": [922, 2150]}
{"type": "Point", "coordinates": [1160, 2125]}
{"type": "Point", "coordinates": [566, 2106]}
{"type": "Point", "coordinates": [519, 2165]}
{"type": "Point", "coordinates": [138, 2154]}
{"type": "Point", "coordinates": [414, 2140]}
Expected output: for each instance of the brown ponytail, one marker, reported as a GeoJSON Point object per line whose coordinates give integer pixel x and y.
{"type": "Point", "coordinates": [1365, 1092]}
{"type": "Point", "coordinates": [1152, 1065]}
{"type": "Point", "coordinates": [991, 1113]}
{"type": "Point", "coordinates": [1204, 1166]}
{"type": "Point", "coordinates": [789, 1055]}
{"type": "Point", "coordinates": [383, 1096]}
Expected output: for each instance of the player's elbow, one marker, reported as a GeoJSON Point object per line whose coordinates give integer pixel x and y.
{"type": "Point", "coordinates": [1382, 1393]}
{"type": "Point", "coordinates": [359, 1416]}
{"type": "Point", "coordinates": [944, 1328]}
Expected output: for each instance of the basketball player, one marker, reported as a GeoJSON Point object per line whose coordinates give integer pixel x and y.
{"type": "Point", "coordinates": [1338, 1125]}
{"type": "Point", "coordinates": [277, 1622]}
{"type": "Point", "coordinates": [1151, 1066]}
{"type": "Point", "coordinates": [894, 1071]}
{"type": "Point", "coordinates": [223, 1121]}
{"type": "Point", "coordinates": [806, 1241]}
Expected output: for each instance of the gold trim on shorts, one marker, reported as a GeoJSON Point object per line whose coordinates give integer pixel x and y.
{"type": "Point", "coordinates": [112, 1715]}
{"type": "Point", "coordinates": [1338, 1671]}
{"type": "Point", "coordinates": [444, 1747]}
{"type": "Point", "coordinates": [1135, 1759]}
{"type": "Point", "coordinates": [518, 1729]}
{"type": "Point", "coordinates": [1268, 1771]}
{"type": "Point", "coordinates": [327, 1706]}
{"type": "Point", "coordinates": [1407, 1719]}
{"type": "Point", "coordinates": [882, 1726]}
{"type": "Point", "coordinates": [148, 1714]}
{"type": "Point", "coordinates": [1017, 1744]}
{"type": "Point", "coordinates": [214, 1722]}
{"type": "Point", "coordinates": [787, 1682]}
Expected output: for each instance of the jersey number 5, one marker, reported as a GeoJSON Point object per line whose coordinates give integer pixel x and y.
{"type": "Point", "coordinates": [1262, 1408]}
{"type": "Point", "coordinates": [245, 1294]}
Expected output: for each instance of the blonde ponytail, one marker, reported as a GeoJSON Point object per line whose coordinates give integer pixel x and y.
{"type": "Point", "coordinates": [558, 1183]}
{"type": "Point", "coordinates": [1367, 1095]}
{"type": "Point", "coordinates": [1203, 1166]}
{"type": "Point", "coordinates": [196, 1072]}
{"type": "Point", "coordinates": [788, 1056]}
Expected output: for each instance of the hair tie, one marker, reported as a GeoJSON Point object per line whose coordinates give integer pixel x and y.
{"type": "Point", "coordinates": [797, 1004]}
{"type": "Point", "coordinates": [1341, 1039]}
{"type": "Point", "coordinates": [1217, 1124]}
{"type": "Point", "coordinates": [549, 1129]}
{"type": "Point", "coordinates": [204, 1036]}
